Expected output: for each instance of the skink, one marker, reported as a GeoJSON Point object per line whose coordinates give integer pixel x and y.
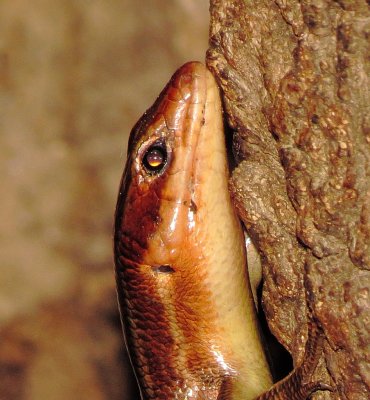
{"type": "Point", "coordinates": [185, 299]}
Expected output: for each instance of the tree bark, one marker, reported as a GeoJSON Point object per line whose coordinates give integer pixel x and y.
{"type": "Point", "coordinates": [295, 83]}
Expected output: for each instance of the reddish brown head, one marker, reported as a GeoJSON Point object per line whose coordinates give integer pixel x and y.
{"type": "Point", "coordinates": [159, 167]}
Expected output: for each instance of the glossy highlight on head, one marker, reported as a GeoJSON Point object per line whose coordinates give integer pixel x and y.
{"type": "Point", "coordinates": [142, 189]}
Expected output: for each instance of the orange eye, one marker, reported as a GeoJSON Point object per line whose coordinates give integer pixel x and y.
{"type": "Point", "coordinates": [155, 158]}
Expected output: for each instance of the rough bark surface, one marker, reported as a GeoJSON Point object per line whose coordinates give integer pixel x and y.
{"type": "Point", "coordinates": [295, 80]}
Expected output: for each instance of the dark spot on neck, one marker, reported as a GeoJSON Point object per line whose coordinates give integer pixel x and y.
{"type": "Point", "coordinates": [163, 269]}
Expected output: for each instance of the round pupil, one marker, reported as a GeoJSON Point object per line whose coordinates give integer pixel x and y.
{"type": "Point", "coordinates": [155, 158]}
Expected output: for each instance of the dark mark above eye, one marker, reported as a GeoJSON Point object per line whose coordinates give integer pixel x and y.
{"type": "Point", "coordinates": [164, 269]}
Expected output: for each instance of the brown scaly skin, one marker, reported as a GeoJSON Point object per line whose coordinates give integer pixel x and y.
{"type": "Point", "coordinates": [185, 300]}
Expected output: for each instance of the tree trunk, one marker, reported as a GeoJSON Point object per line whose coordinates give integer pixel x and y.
{"type": "Point", "coordinates": [295, 82]}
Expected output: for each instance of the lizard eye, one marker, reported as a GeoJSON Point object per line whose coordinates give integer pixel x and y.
{"type": "Point", "coordinates": [155, 158]}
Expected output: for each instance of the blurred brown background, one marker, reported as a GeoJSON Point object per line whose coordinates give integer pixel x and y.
{"type": "Point", "coordinates": [74, 77]}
